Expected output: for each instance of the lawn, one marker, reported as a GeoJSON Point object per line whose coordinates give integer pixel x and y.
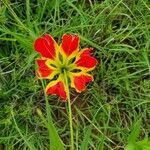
{"type": "Point", "coordinates": [114, 110]}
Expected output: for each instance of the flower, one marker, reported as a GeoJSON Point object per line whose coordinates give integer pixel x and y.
{"type": "Point", "coordinates": [58, 61]}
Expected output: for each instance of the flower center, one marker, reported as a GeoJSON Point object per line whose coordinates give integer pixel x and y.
{"type": "Point", "coordinates": [63, 69]}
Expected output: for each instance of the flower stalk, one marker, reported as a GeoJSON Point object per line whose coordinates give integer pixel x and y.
{"type": "Point", "coordinates": [69, 111]}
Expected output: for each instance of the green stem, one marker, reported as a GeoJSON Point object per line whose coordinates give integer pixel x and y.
{"type": "Point", "coordinates": [70, 112]}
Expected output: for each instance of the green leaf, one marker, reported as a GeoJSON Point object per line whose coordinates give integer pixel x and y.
{"type": "Point", "coordinates": [145, 144]}
{"type": "Point", "coordinates": [133, 144]}
{"type": "Point", "coordinates": [133, 147]}
{"type": "Point", "coordinates": [134, 132]}
{"type": "Point", "coordinates": [130, 147]}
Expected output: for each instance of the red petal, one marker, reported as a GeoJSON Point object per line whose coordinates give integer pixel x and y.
{"type": "Point", "coordinates": [45, 46]}
{"type": "Point", "coordinates": [43, 69]}
{"type": "Point", "coordinates": [57, 89]}
{"type": "Point", "coordinates": [85, 60]}
{"type": "Point", "coordinates": [70, 43]}
{"type": "Point", "coordinates": [80, 82]}
{"type": "Point", "coordinates": [86, 52]}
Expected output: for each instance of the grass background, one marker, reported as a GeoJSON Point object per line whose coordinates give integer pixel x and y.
{"type": "Point", "coordinates": [103, 115]}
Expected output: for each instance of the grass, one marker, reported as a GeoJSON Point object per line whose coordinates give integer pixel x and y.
{"type": "Point", "coordinates": [103, 115]}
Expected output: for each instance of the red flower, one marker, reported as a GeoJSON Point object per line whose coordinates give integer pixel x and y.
{"type": "Point", "coordinates": [55, 59]}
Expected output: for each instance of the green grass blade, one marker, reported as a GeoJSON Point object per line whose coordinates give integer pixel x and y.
{"type": "Point", "coordinates": [86, 139]}
{"type": "Point", "coordinates": [31, 146]}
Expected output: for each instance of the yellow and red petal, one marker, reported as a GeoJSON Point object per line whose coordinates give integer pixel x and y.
{"type": "Point", "coordinates": [46, 46]}
{"type": "Point", "coordinates": [57, 88]}
{"type": "Point", "coordinates": [43, 71]}
{"type": "Point", "coordinates": [79, 81]}
{"type": "Point", "coordinates": [85, 60]}
{"type": "Point", "coordinates": [70, 44]}
{"type": "Point", "coordinates": [86, 52]}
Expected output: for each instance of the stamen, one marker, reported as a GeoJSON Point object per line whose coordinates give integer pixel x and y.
{"type": "Point", "coordinates": [63, 69]}
{"type": "Point", "coordinates": [76, 70]}
{"type": "Point", "coordinates": [53, 65]}
{"type": "Point", "coordinates": [60, 57]}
